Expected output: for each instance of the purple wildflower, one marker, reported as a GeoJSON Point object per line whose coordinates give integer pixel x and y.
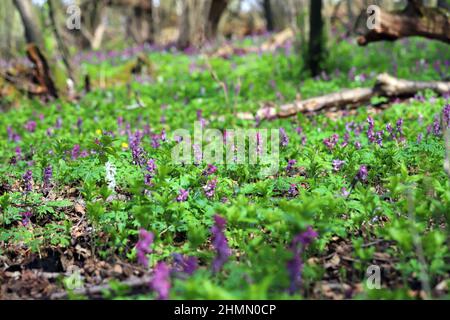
{"type": "Point", "coordinates": [30, 126]}
{"type": "Point", "coordinates": [75, 151]}
{"type": "Point", "coordinates": [284, 141]}
{"type": "Point", "coordinates": [370, 133]}
{"type": "Point", "coordinates": [26, 218]}
{"type": "Point", "coordinates": [290, 165]}
{"type": "Point", "coordinates": [337, 164]}
{"type": "Point", "coordinates": [143, 246]}
{"type": "Point", "coordinates": [80, 124]}
{"type": "Point", "coordinates": [295, 265]}
{"type": "Point", "coordinates": [379, 137]}
{"type": "Point", "coordinates": [344, 192]}
{"type": "Point", "coordinates": [27, 178]}
{"type": "Point", "coordinates": [437, 126]}
{"type": "Point", "coordinates": [210, 188]}
{"type": "Point", "coordinates": [446, 115]}
{"type": "Point", "coordinates": [182, 195]}
{"type": "Point", "coordinates": [211, 169]}
{"type": "Point", "coordinates": [48, 173]}
{"type": "Point", "coordinates": [331, 142]}
{"type": "Point", "coordinates": [161, 280]}
{"type": "Point", "coordinates": [18, 152]}
{"type": "Point", "coordinates": [419, 137]}
{"type": "Point", "coordinates": [293, 190]}
{"type": "Point", "coordinates": [220, 243]}
{"type": "Point", "coordinates": [362, 173]}
{"type": "Point", "coordinates": [186, 264]}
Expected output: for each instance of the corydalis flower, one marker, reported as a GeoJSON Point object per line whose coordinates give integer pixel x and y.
{"type": "Point", "coordinates": [150, 168]}
{"type": "Point", "coordinates": [290, 165]}
{"type": "Point", "coordinates": [211, 169]}
{"type": "Point", "coordinates": [331, 142]}
{"type": "Point", "coordinates": [161, 280]}
{"type": "Point", "coordinates": [284, 139]}
{"type": "Point", "coordinates": [182, 195]}
{"type": "Point", "coordinates": [26, 218]}
{"type": "Point", "coordinates": [337, 164]}
{"type": "Point", "coordinates": [75, 152]}
{"type": "Point", "coordinates": [27, 177]}
{"type": "Point", "coordinates": [220, 243]}
{"type": "Point", "coordinates": [48, 173]}
{"type": "Point", "coordinates": [293, 190]}
{"type": "Point", "coordinates": [210, 188]}
{"type": "Point", "coordinates": [362, 173]}
{"type": "Point", "coordinates": [185, 264]}
{"type": "Point", "coordinates": [30, 126]}
{"type": "Point", "coordinates": [295, 265]}
{"type": "Point", "coordinates": [143, 246]}
{"type": "Point", "coordinates": [446, 115]}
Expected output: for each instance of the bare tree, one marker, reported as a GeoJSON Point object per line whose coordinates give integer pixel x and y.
{"type": "Point", "coordinates": [61, 44]}
{"type": "Point", "coordinates": [315, 50]}
{"type": "Point", "coordinates": [267, 7]}
{"type": "Point", "coordinates": [199, 21]}
{"type": "Point", "coordinates": [25, 8]}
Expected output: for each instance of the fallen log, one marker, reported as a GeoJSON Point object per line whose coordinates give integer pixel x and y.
{"type": "Point", "coordinates": [273, 43]}
{"type": "Point", "coordinates": [97, 291]}
{"type": "Point", "coordinates": [414, 20]}
{"type": "Point", "coordinates": [385, 86]}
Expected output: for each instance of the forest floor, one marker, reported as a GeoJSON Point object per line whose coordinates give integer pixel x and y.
{"type": "Point", "coordinates": [93, 204]}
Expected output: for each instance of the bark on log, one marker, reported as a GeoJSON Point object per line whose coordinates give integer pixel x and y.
{"type": "Point", "coordinates": [385, 85]}
{"type": "Point", "coordinates": [97, 291]}
{"type": "Point", "coordinates": [414, 20]}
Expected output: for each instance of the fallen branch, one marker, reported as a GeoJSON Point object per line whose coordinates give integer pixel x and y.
{"type": "Point", "coordinates": [97, 291]}
{"type": "Point", "coordinates": [385, 86]}
{"type": "Point", "coordinates": [273, 43]}
{"type": "Point", "coordinates": [414, 20]}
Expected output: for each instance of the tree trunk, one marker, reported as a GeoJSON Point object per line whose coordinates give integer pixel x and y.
{"type": "Point", "coordinates": [268, 15]}
{"type": "Point", "coordinates": [414, 20]}
{"type": "Point", "coordinates": [25, 9]}
{"type": "Point", "coordinates": [61, 44]}
{"type": "Point", "coordinates": [184, 36]}
{"type": "Point", "coordinates": [315, 52]}
{"type": "Point", "coordinates": [215, 13]}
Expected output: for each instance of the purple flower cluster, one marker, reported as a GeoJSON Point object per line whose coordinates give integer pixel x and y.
{"type": "Point", "coordinates": [27, 179]}
{"type": "Point", "coordinates": [284, 139]}
{"type": "Point", "coordinates": [26, 218]}
{"type": "Point", "coordinates": [143, 246]}
{"type": "Point", "coordinates": [362, 173]}
{"type": "Point", "coordinates": [446, 115]}
{"type": "Point", "coordinates": [210, 169]}
{"type": "Point", "coordinates": [30, 126]}
{"type": "Point", "coordinates": [337, 164]}
{"type": "Point", "coordinates": [185, 264]}
{"type": "Point", "coordinates": [290, 165]}
{"type": "Point", "coordinates": [370, 132]}
{"type": "Point", "coordinates": [210, 188]}
{"type": "Point", "coordinates": [12, 135]}
{"type": "Point", "coordinates": [161, 280]}
{"type": "Point", "coordinates": [182, 195]}
{"type": "Point", "coordinates": [293, 190]}
{"type": "Point", "coordinates": [331, 142]}
{"type": "Point", "coordinates": [48, 173]}
{"type": "Point", "coordinates": [220, 243]}
{"type": "Point", "coordinates": [75, 152]}
{"type": "Point", "coordinates": [150, 172]}
{"type": "Point", "coordinates": [295, 265]}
